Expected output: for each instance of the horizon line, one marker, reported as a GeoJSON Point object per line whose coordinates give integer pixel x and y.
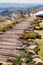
{"type": "Point", "coordinates": [18, 3]}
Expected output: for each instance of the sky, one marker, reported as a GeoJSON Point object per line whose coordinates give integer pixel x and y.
{"type": "Point", "coordinates": [22, 1]}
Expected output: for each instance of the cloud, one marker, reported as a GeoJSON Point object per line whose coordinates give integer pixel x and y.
{"type": "Point", "coordinates": [21, 1]}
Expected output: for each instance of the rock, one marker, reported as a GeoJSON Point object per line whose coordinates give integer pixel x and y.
{"type": "Point", "coordinates": [29, 40]}
{"type": "Point", "coordinates": [32, 52]}
{"type": "Point", "coordinates": [32, 40]}
{"type": "Point", "coordinates": [32, 47]}
{"type": "Point", "coordinates": [35, 56]}
{"type": "Point", "coordinates": [38, 61]}
{"type": "Point", "coordinates": [1, 33]}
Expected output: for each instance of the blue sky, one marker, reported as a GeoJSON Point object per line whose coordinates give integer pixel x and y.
{"type": "Point", "coordinates": [21, 1]}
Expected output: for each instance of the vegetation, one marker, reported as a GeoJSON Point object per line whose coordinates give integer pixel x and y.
{"type": "Point", "coordinates": [23, 59]}
{"type": "Point", "coordinates": [6, 27]}
{"type": "Point", "coordinates": [1, 20]}
{"type": "Point", "coordinates": [32, 43]}
{"type": "Point", "coordinates": [24, 49]}
{"type": "Point", "coordinates": [20, 20]}
{"type": "Point", "coordinates": [30, 36]}
{"type": "Point", "coordinates": [32, 63]}
{"type": "Point", "coordinates": [37, 24]}
{"type": "Point", "coordinates": [9, 26]}
{"type": "Point", "coordinates": [37, 50]}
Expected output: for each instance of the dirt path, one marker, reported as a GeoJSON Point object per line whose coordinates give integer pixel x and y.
{"type": "Point", "coordinates": [9, 41]}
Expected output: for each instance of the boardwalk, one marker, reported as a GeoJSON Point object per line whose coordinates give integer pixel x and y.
{"type": "Point", "coordinates": [9, 41]}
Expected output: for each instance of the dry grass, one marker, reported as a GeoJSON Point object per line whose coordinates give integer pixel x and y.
{"type": "Point", "coordinates": [41, 24]}
{"type": "Point", "coordinates": [41, 45]}
{"type": "Point", "coordinates": [5, 24]}
{"type": "Point", "coordinates": [22, 19]}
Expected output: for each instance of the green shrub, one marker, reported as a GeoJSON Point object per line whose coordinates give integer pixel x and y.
{"type": "Point", "coordinates": [25, 60]}
{"type": "Point", "coordinates": [32, 63]}
{"type": "Point", "coordinates": [16, 62]}
{"type": "Point", "coordinates": [36, 50]}
{"type": "Point", "coordinates": [32, 43]}
{"type": "Point", "coordinates": [24, 49]}
{"type": "Point", "coordinates": [36, 24]}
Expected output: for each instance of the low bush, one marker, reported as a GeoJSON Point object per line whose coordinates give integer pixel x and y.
{"type": "Point", "coordinates": [20, 20]}
{"type": "Point", "coordinates": [36, 50]}
{"type": "Point", "coordinates": [29, 36]}
{"type": "Point", "coordinates": [9, 26]}
{"type": "Point", "coordinates": [32, 43]}
{"type": "Point", "coordinates": [37, 24]}
{"type": "Point", "coordinates": [23, 60]}
{"type": "Point", "coordinates": [32, 63]}
{"type": "Point", "coordinates": [16, 61]}
{"type": "Point", "coordinates": [24, 49]}
{"type": "Point", "coordinates": [6, 27]}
